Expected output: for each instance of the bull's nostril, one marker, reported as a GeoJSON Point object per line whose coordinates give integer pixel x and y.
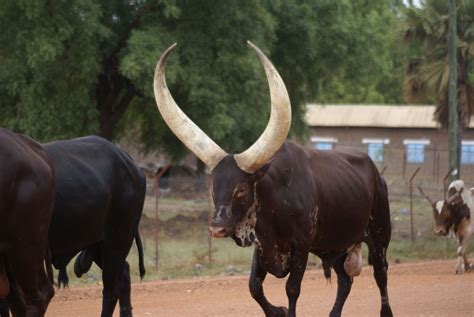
{"type": "Point", "coordinates": [217, 232]}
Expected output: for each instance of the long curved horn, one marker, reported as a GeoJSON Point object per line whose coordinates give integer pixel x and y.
{"type": "Point", "coordinates": [426, 196]}
{"type": "Point", "coordinates": [186, 130]}
{"type": "Point", "coordinates": [278, 126]}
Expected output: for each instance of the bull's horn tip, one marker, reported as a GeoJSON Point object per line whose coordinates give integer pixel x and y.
{"type": "Point", "coordinates": [172, 47]}
{"type": "Point", "coordinates": [162, 60]}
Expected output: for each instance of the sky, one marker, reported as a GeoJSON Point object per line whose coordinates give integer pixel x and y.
{"type": "Point", "coordinates": [416, 3]}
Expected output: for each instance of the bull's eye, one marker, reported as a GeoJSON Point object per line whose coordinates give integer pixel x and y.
{"type": "Point", "coordinates": [241, 192]}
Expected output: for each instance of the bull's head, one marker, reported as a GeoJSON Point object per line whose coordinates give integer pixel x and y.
{"type": "Point", "coordinates": [233, 176]}
{"type": "Point", "coordinates": [444, 210]}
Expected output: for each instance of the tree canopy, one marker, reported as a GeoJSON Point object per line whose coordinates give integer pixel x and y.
{"type": "Point", "coordinates": [71, 68]}
{"type": "Point", "coordinates": [427, 72]}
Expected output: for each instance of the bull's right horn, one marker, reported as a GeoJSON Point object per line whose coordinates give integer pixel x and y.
{"type": "Point", "coordinates": [426, 196]}
{"type": "Point", "coordinates": [278, 126]}
{"type": "Point", "coordinates": [186, 130]}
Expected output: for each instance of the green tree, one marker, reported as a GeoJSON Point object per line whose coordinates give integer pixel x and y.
{"type": "Point", "coordinates": [427, 70]}
{"type": "Point", "coordinates": [357, 60]}
{"type": "Point", "coordinates": [83, 66]}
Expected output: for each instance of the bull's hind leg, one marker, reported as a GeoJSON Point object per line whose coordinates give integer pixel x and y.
{"type": "Point", "coordinates": [31, 289]}
{"type": "Point", "coordinates": [124, 288]}
{"type": "Point", "coordinates": [257, 276]}
{"type": "Point", "coordinates": [380, 273]}
{"type": "Point", "coordinates": [125, 301]}
{"type": "Point", "coordinates": [377, 239]}
{"type": "Point", "coordinates": [344, 284]}
{"type": "Point", "coordinates": [377, 257]}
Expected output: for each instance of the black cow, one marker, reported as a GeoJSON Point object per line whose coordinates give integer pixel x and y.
{"type": "Point", "coordinates": [454, 214]}
{"type": "Point", "coordinates": [99, 200]}
{"type": "Point", "coordinates": [289, 201]}
{"type": "Point", "coordinates": [26, 205]}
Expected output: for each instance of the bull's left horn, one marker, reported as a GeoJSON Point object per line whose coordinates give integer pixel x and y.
{"type": "Point", "coordinates": [188, 132]}
{"type": "Point", "coordinates": [278, 126]}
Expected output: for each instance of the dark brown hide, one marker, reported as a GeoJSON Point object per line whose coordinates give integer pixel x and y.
{"type": "Point", "coordinates": [4, 283]}
{"type": "Point", "coordinates": [26, 201]}
{"type": "Point", "coordinates": [304, 201]}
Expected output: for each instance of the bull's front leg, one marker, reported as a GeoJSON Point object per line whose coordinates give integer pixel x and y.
{"type": "Point", "coordinates": [463, 239]}
{"type": "Point", "coordinates": [257, 276]}
{"type": "Point", "coordinates": [299, 260]}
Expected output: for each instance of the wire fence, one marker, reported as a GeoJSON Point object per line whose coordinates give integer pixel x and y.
{"type": "Point", "coordinates": [177, 208]}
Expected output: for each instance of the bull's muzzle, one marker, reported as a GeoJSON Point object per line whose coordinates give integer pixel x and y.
{"type": "Point", "coordinates": [440, 231]}
{"type": "Point", "coordinates": [218, 231]}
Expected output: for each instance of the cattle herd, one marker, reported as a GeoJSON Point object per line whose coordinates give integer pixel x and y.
{"type": "Point", "coordinates": [84, 197]}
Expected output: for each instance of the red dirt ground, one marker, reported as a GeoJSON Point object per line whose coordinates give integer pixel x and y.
{"type": "Point", "coordinates": [415, 289]}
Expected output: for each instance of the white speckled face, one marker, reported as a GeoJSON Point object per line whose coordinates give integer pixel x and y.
{"type": "Point", "coordinates": [439, 206]}
{"type": "Point", "coordinates": [245, 230]}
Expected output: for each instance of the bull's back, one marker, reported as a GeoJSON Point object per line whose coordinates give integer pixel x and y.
{"type": "Point", "coordinates": [93, 177]}
{"type": "Point", "coordinates": [327, 195]}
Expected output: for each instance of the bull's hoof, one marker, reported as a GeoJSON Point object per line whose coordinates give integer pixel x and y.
{"type": "Point", "coordinates": [278, 312]}
{"type": "Point", "coordinates": [469, 268]}
{"type": "Point", "coordinates": [126, 312]}
{"type": "Point", "coordinates": [386, 311]}
{"type": "Point", "coordinates": [335, 313]}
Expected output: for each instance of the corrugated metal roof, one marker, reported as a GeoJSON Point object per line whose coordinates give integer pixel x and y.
{"type": "Point", "coordinates": [385, 116]}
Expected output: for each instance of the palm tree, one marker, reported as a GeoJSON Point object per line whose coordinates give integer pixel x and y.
{"type": "Point", "coordinates": [427, 72]}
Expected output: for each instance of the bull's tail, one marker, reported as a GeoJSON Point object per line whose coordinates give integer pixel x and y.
{"type": "Point", "coordinates": [63, 278]}
{"type": "Point", "coordinates": [327, 271]}
{"type": "Point", "coordinates": [49, 265]}
{"type": "Point", "coordinates": [141, 265]}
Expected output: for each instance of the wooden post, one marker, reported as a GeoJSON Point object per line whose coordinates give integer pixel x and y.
{"type": "Point", "coordinates": [453, 94]}
{"type": "Point", "coordinates": [412, 227]}
{"type": "Point", "coordinates": [209, 217]}
{"type": "Point", "coordinates": [156, 191]}
{"type": "Point", "coordinates": [445, 182]}
{"type": "Point", "coordinates": [157, 221]}
{"type": "Point", "coordinates": [404, 163]}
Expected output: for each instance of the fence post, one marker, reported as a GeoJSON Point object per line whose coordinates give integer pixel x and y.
{"type": "Point", "coordinates": [209, 217]}
{"type": "Point", "coordinates": [437, 167]}
{"type": "Point", "coordinates": [156, 190]}
{"type": "Point", "coordinates": [157, 221]}
{"type": "Point", "coordinates": [445, 181]}
{"type": "Point", "coordinates": [412, 229]}
{"type": "Point", "coordinates": [404, 163]}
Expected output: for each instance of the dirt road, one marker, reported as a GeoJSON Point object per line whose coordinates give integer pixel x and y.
{"type": "Point", "coordinates": [415, 289]}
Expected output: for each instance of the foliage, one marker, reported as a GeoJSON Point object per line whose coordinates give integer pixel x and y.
{"type": "Point", "coordinates": [81, 67]}
{"type": "Point", "coordinates": [50, 59]}
{"type": "Point", "coordinates": [426, 33]}
{"type": "Point", "coordinates": [359, 60]}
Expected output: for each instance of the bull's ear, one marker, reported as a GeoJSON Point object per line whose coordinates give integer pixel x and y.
{"type": "Point", "coordinates": [261, 171]}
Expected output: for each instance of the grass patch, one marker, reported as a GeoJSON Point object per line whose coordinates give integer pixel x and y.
{"type": "Point", "coordinates": [184, 253]}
